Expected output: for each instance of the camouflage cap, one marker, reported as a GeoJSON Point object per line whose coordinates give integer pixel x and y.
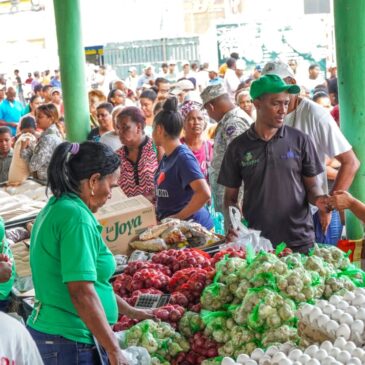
{"type": "Point", "coordinates": [212, 92]}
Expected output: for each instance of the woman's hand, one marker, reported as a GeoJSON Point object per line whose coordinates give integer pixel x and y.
{"type": "Point", "coordinates": [341, 200]}
{"type": "Point", "coordinates": [117, 358]}
{"type": "Point", "coordinates": [141, 314]}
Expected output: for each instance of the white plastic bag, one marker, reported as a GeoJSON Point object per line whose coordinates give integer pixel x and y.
{"type": "Point", "coordinates": [137, 355]}
{"type": "Point", "coordinates": [246, 236]}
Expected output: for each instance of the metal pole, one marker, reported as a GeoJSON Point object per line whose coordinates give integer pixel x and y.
{"type": "Point", "coordinates": [350, 39]}
{"type": "Point", "coordinates": [72, 67]}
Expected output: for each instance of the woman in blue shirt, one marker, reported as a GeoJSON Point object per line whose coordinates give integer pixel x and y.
{"type": "Point", "coordinates": [181, 189]}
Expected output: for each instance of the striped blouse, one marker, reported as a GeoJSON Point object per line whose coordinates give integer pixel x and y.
{"type": "Point", "coordinates": [138, 178]}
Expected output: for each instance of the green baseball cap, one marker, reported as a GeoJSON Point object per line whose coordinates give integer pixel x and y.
{"type": "Point", "coordinates": [271, 84]}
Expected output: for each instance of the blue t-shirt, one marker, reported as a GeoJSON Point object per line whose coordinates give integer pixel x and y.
{"type": "Point", "coordinates": [172, 181]}
{"type": "Point", "coordinates": [11, 112]}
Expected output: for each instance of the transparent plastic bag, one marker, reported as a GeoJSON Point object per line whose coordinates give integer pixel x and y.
{"type": "Point", "coordinates": [246, 236]}
{"type": "Point", "coordinates": [137, 355]}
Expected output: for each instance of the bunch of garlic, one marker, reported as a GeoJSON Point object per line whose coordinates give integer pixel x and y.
{"type": "Point", "coordinates": [338, 317]}
{"type": "Point", "coordinates": [341, 352]}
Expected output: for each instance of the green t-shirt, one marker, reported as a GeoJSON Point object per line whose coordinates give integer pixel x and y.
{"type": "Point", "coordinates": [5, 288]}
{"type": "Point", "coordinates": [66, 246]}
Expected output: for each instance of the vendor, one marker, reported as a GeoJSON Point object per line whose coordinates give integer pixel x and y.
{"type": "Point", "coordinates": [7, 270]}
{"type": "Point", "coordinates": [71, 265]}
{"type": "Point", "coordinates": [279, 167]}
{"type": "Point", "coordinates": [181, 189]}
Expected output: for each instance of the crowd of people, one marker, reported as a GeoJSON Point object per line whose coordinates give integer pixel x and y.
{"type": "Point", "coordinates": [203, 139]}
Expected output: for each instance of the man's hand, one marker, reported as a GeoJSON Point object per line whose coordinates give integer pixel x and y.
{"type": "Point", "coordinates": [322, 203]}
{"type": "Point", "coordinates": [341, 200]}
{"type": "Point", "coordinates": [232, 235]}
{"type": "Point", "coordinates": [5, 271]}
{"type": "Point", "coordinates": [141, 314]}
{"type": "Point", "coordinates": [325, 219]}
{"type": "Point", "coordinates": [117, 358]}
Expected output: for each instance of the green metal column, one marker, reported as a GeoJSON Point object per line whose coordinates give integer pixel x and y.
{"type": "Point", "coordinates": [72, 67]}
{"type": "Point", "coordinates": [350, 49]}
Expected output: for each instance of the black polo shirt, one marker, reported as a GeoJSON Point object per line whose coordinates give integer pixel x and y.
{"type": "Point", "coordinates": [275, 200]}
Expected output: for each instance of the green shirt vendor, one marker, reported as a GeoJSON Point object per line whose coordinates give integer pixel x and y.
{"type": "Point", "coordinates": [71, 265]}
{"type": "Point", "coordinates": [7, 270]}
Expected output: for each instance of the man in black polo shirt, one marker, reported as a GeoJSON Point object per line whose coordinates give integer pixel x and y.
{"type": "Point", "coordinates": [278, 165]}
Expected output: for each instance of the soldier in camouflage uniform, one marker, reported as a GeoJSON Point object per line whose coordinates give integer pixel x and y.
{"type": "Point", "coordinates": [232, 121]}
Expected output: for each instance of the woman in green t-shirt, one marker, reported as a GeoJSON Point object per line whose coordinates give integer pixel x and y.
{"type": "Point", "coordinates": [71, 265]}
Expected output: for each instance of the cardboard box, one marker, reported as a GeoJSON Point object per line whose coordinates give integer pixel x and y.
{"type": "Point", "coordinates": [123, 220]}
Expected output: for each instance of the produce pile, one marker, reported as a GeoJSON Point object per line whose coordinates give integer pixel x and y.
{"type": "Point", "coordinates": [340, 316]}
{"type": "Point", "coordinates": [174, 233]}
{"type": "Point", "coordinates": [246, 303]}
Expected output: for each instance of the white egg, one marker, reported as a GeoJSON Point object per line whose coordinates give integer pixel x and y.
{"type": "Point", "coordinates": [320, 354]}
{"type": "Point", "coordinates": [228, 361]}
{"type": "Point", "coordinates": [351, 310]}
{"type": "Point", "coordinates": [250, 362]}
{"type": "Point", "coordinates": [278, 356]}
{"type": "Point", "coordinates": [346, 318]}
{"type": "Point", "coordinates": [359, 291]}
{"type": "Point", "coordinates": [342, 305]}
{"type": "Point", "coordinates": [326, 345]}
{"type": "Point", "coordinates": [328, 360]}
{"type": "Point", "coordinates": [344, 357]}
{"type": "Point", "coordinates": [265, 360]}
{"type": "Point", "coordinates": [360, 314]}
{"type": "Point", "coordinates": [340, 343]}
{"type": "Point", "coordinates": [321, 303]}
{"type": "Point", "coordinates": [350, 347]}
{"type": "Point", "coordinates": [314, 314]}
{"type": "Point", "coordinates": [304, 358]}
{"type": "Point", "coordinates": [354, 361]}
{"type": "Point", "coordinates": [359, 300]}
{"type": "Point", "coordinates": [257, 354]}
{"type": "Point", "coordinates": [295, 354]}
{"type": "Point", "coordinates": [335, 351]}
{"type": "Point", "coordinates": [335, 299]}
{"type": "Point", "coordinates": [305, 309]}
{"type": "Point", "coordinates": [285, 362]}
{"type": "Point", "coordinates": [242, 358]}
{"type": "Point", "coordinates": [349, 296]}
{"type": "Point", "coordinates": [311, 350]}
{"type": "Point", "coordinates": [328, 309]}
{"type": "Point", "coordinates": [322, 320]}
{"type": "Point", "coordinates": [313, 362]}
{"type": "Point", "coordinates": [272, 350]}
{"type": "Point", "coordinates": [336, 314]}
{"type": "Point", "coordinates": [285, 347]}
{"type": "Point", "coordinates": [358, 352]}
{"type": "Point", "coordinates": [357, 326]}
{"type": "Point", "coordinates": [331, 327]}
{"type": "Point", "coordinates": [343, 331]}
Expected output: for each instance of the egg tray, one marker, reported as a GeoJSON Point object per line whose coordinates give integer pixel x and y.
{"type": "Point", "coordinates": [312, 335]}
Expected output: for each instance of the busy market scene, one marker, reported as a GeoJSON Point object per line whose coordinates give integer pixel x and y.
{"type": "Point", "coordinates": [182, 182]}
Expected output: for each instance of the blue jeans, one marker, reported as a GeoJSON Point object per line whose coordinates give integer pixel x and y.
{"type": "Point", "coordinates": [334, 230]}
{"type": "Point", "coordinates": [4, 305]}
{"type": "Point", "coordinates": [57, 350]}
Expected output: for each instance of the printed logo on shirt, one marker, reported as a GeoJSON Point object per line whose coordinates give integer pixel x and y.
{"type": "Point", "coordinates": [161, 178]}
{"type": "Point", "coordinates": [162, 193]}
{"type": "Point", "coordinates": [290, 155]}
{"type": "Point", "coordinates": [230, 130]}
{"type": "Point", "coordinates": [248, 160]}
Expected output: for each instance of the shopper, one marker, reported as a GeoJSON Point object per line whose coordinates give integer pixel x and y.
{"type": "Point", "coordinates": [195, 123]}
{"type": "Point", "coordinates": [181, 189]}
{"type": "Point", "coordinates": [39, 157]}
{"type": "Point", "coordinates": [342, 200]}
{"type": "Point", "coordinates": [71, 265]}
{"type": "Point", "coordinates": [111, 138]}
{"type": "Point", "coordinates": [105, 120]}
{"type": "Point", "coordinates": [96, 97]}
{"type": "Point", "coordinates": [279, 167]}
{"type": "Point", "coordinates": [138, 159]}
{"type": "Point", "coordinates": [147, 101]}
